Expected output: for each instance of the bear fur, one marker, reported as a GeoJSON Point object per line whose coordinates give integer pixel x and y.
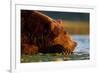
{"type": "Point", "coordinates": [42, 34]}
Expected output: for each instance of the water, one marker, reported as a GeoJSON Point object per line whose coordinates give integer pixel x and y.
{"type": "Point", "coordinates": [83, 43]}
{"type": "Point", "coordinates": [82, 50]}
{"type": "Point", "coordinates": [80, 53]}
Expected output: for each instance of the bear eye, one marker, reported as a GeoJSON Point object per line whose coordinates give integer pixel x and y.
{"type": "Point", "coordinates": [65, 32]}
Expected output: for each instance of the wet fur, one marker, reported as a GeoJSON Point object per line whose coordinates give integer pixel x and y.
{"type": "Point", "coordinates": [40, 33]}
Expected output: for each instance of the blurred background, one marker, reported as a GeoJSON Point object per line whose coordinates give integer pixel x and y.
{"type": "Point", "coordinates": [74, 23]}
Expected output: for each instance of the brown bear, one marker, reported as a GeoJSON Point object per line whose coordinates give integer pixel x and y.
{"type": "Point", "coordinates": [40, 33]}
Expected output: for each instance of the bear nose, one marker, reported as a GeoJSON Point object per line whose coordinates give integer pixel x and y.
{"type": "Point", "coordinates": [75, 43]}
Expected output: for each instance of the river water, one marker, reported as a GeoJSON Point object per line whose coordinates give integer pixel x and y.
{"type": "Point", "coordinates": [82, 50]}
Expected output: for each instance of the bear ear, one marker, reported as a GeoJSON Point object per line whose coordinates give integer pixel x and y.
{"type": "Point", "coordinates": [59, 21]}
